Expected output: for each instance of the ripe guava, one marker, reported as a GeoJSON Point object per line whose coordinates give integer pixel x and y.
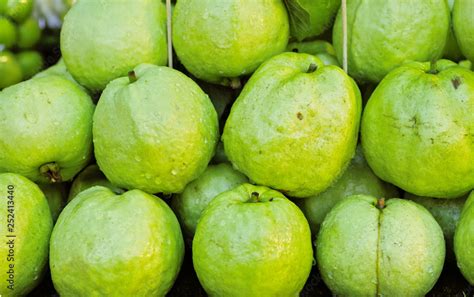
{"type": "Point", "coordinates": [29, 33]}
{"type": "Point", "coordinates": [464, 240]}
{"type": "Point", "coordinates": [463, 24]}
{"type": "Point", "coordinates": [309, 18]}
{"type": "Point", "coordinates": [189, 205]}
{"type": "Point", "coordinates": [294, 127]}
{"type": "Point", "coordinates": [98, 49]}
{"type": "Point", "coordinates": [418, 129]}
{"type": "Point", "coordinates": [382, 35]}
{"type": "Point", "coordinates": [30, 62]}
{"type": "Point", "coordinates": [358, 178]}
{"type": "Point", "coordinates": [219, 41]}
{"type": "Point", "coordinates": [252, 241]}
{"type": "Point", "coordinates": [105, 244]}
{"type": "Point", "coordinates": [56, 196]}
{"type": "Point", "coordinates": [10, 70]}
{"type": "Point", "coordinates": [446, 212]}
{"type": "Point", "coordinates": [46, 129]}
{"type": "Point", "coordinates": [155, 130]}
{"type": "Point", "coordinates": [26, 228]}
{"type": "Point", "coordinates": [89, 177]}
{"type": "Point", "coordinates": [367, 247]}
{"type": "Point", "coordinates": [8, 35]}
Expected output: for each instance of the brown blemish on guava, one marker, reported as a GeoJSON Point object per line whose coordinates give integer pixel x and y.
{"type": "Point", "coordinates": [456, 82]}
{"type": "Point", "coordinates": [381, 203]}
{"type": "Point", "coordinates": [299, 116]}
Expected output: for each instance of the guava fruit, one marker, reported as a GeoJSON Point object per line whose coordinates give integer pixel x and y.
{"type": "Point", "coordinates": [382, 35]}
{"type": "Point", "coordinates": [189, 205]}
{"type": "Point", "coordinates": [219, 41]}
{"type": "Point", "coordinates": [29, 33]}
{"type": "Point", "coordinates": [89, 177]}
{"type": "Point", "coordinates": [294, 126]}
{"type": "Point", "coordinates": [367, 247]}
{"type": "Point", "coordinates": [46, 129]}
{"type": "Point", "coordinates": [319, 48]}
{"type": "Point", "coordinates": [18, 10]}
{"type": "Point", "coordinates": [105, 244]}
{"type": "Point", "coordinates": [418, 129]}
{"type": "Point", "coordinates": [10, 70]}
{"type": "Point", "coordinates": [466, 64]}
{"type": "Point", "coordinates": [463, 24]}
{"type": "Point", "coordinates": [446, 212]}
{"type": "Point", "coordinates": [97, 50]}
{"type": "Point", "coordinates": [252, 241]}
{"type": "Point", "coordinates": [56, 196]}
{"type": "Point", "coordinates": [358, 178]}
{"type": "Point", "coordinates": [464, 240]}
{"type": "Point", "coordinates": [309, 18]}
{"type": "Point", "coordinates": [30, 62]}
{"type": "Point", "coordinates": [155, 130]}
{"type": "Point", "coordinates": [8, 34]}
{"type": "Point", "coordinates": [26, 227]}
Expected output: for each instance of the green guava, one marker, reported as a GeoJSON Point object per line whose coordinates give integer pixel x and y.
{"type": "Point", "coordinates": [46, 132]}
{"type": "Point", "coordinates": [8, 34]}
{"type": "Point", "coordinates": [446, 212]}
{"type": "Point", "coordinates": [466, 64]}
{"type": "Point", "coordinates": [309, 18]}
{"type": "Point", "coordinates": [18, 10]}
{"type": "Point", "coordinates": [463, 24]}
{"type": "Point", "coordinates": [60, 69]}
{"type": "Point", "coordinates": [56, 196]}
{"type": "Point", "coordinates": [252, 241]}
{"type": "Point", "coordinates": [382, 35]}
{"type": "Point", "coordinates": [219, 41]}
{"type": "Point", "coordinates": [98, 49]}
{"type": "Point", "coordinates": [418, 129]}
{"type": "Point", "coordinates": [294, 127]}
{"type": "Point", "coordinates": [319, 48]}
{"type": "Point", "coordinates": [367, 247]}
{"type": "Point", "coordinates": [155, 130]}
{"type": "Point", "coordinates": [10, 70]}
{"type": "Point", "coordinates": [464, 240]}
{"type": "Point", "coordinates": [89, 177]}
{"type": "Point", "coordinates": [105, 244]}
{"type": "Point", "coordinates": [30, 62]}
{"type": "Point", "coordinates": [357, 179]}
{"type": "Point", "coordinates": [29, 33]}
{"type": "Point", "coordinates": [189, 205]}
{"type": "Point", "coordinates": [25, 232]}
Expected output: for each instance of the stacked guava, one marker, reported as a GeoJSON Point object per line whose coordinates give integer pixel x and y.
{"type": "Point", "coordinates": [247, 154]}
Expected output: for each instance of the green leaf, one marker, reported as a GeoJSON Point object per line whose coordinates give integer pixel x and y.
{"type": "Point", "coordinates": [300, 20]}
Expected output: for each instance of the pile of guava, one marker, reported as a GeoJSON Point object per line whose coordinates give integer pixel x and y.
{"type": "Point", "coordinates": [237, 148]}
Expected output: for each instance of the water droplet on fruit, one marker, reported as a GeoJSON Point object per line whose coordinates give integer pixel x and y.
{"type": "Point", "coordinates": [174, 172]}
{"type": "Point", "coordinates": [138, 159]}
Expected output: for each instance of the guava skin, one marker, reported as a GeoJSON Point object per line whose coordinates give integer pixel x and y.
{"type": "Point", "coordinates": [105, 244]}
{"type": "Point", "coordinates": [398, 33]}
{"type": "Point", "coordinates": [321, 15]}
{"type": "Point", "coordinates": [418, 129]}
{"type": "Point", "coordinates": [46, 129]}
{"type": "Point", "coordinates": [10, 70]}
{"type": "Point", "coordinates": [30, 62]}
{"type": "Point", "coordinates": [319, 48]}
{"type": "Point", "coordinates": [56, 197]}
{"type": "Point", "coordinates": [292, 130]}
{"type": "Point", "coordinates": [8, 35]}
{"type": "Point", "coordinates": [98, 49]}
{"type": "Point", "coordinates": [218, 41]}
{"type": "Point", "coordinates": [32, 229]}
{"type": "Point", "coordinates": [463, 24]}
{"type": "Point", "coordinates": [358, 178]}
{"type": "Point", "coordinates": [189, 205]}
{"type": "Point", "coordinates": [89, 177]}
{"type": "Point", "coordinates": [446, 212]}
{"type": "Point", "coordinates": [156, 134]}
{"type": "Point", "coordinates": [252, 241]}
{"type": "Point", "coordinates": [18, 10]}
{"type": "Point", "coordinates": [363, 250]}
{"type": "Point", "coordinates": [59, 69]}
{"type": "Point", "coordinates": [464, 240]}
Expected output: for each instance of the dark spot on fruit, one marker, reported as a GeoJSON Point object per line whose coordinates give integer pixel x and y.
{"type": "Point", "coordinates": [432, 140]}
{"type": "Point", "coordinates": [271, 199]}
{"type": "Point", "coordinates": [259, 152]}
{"type": "Point", "coordinates": [456, 82]}
{"type": "Point", "coordinates": [295, 50]}
{"type": "Point", "coordinates": [312, 68]}
{"type": "Point", "coordinates": [299, 116]}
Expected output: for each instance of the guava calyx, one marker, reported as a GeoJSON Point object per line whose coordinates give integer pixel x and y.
{"type": "Point", "coordinates": [132, 76]}
{"type": "Point", "coordinates": [312, 68]}
{"type": "Point", "coordinates": [381, 203]}
{"type": "Point", "coordinates": [433, 69]}
{"type": "Point", "coordinates": [51, 171]}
